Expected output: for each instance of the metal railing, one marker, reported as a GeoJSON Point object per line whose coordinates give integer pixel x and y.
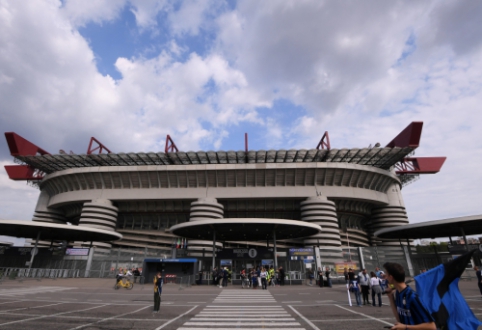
{"type": "Point", "coordinates": [39, 273]}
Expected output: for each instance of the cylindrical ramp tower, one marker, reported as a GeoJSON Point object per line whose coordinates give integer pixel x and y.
{"type": "Point", "coordinates": [391, 215]}
{"type": "Point", "coordinates": [319, 210]}
{"type": "Point", "coordinates": [102, 214]}
{"type": "Point", "coordinates": [204, 208]}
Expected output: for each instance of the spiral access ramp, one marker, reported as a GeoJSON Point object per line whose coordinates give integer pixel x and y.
{"type": "Point", "coordinates": [99, 214]}
{"type": "Point", "coordinates": [319, 210]}
{"type": "Point", "coordinates": [386, 217]}
{"type": "Point", "coordinates": [206, 208]}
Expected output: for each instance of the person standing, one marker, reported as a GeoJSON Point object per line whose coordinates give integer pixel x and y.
{"type": "Point", "coordinates": [327, 274]}
{"type": "Point", "coordinates": [478, 273]}
{"type": "Point", "coordinates": [158, 282]}
{"type": "Point", "coordinates": [364, 281]}
{"type": "Point", "coordinates": [345, 273]}
{"type": "Point", "coordinates": [263, 274]}
{"type": "Point", "coordinates": [376, 289]}
{"type": "Point", "coordinates": [225, 277]}
{"type": "Point", "coordinates": [406, 306]}
{"type": "Point", "coordinates": [281, 276]}
{"type": "Point", "coordinates": [320, 277]}
{"type": "Point", "coordinates": [311, 276]}
{"type": "Point", "coordinates": [355, 288]}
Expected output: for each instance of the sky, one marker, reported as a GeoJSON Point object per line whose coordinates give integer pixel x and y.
{"type": "Point", "coordinates": [129, 72]}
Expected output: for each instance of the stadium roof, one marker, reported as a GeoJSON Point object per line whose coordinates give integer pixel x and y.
{"type": "Point", "coordinates": [471, 225]}
{"type": "Point", "coordinates": [383, 158]}
{"type": "Point", "coordinates": [252, 229]}
{"type": "Point", "coordinates": [54, 231]}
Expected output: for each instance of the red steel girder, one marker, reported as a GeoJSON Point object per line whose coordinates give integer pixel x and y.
{"type": "Point", "coordinates": [420, 165]}
{"type": "Point", "coordinates": [409, 137]}
{"type": "Point", "coordinates": [170, 145]}
{"type": "Point", "coordinates": [324, 144]}
{"type": "Point", "coordinates": [99, 147]}
{"type": "Point", "coordinates": [22, 147]}
{"type": "Point", "coordinates": [23, 172]}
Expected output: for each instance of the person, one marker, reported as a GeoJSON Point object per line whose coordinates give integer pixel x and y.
{"type": "Point", "coordinates": [215, 276]}
{"type": "Point", "coordinates": [364, 281]}
{"type": "Point", "coordinates": [310, 276]}
{"type": "Point", "coordinates": [263, 274]}
{"type": "Point", "coordinates": [158, 283]}
{"type": "Point", "coordinates": [376, 289]}
{"type": "Point", "coordinates": [200, 278]}
{"type": "Point", "coordinates": [327, 274]}
{"type": "Point", "coordinates": [272, 275]}
{"type": "Point", "coordinates": [406, 306]}
{"type": "Point", "coordinates": [254, 277]}
{"type": "Point", "coordinates": [355, 288]}
{"type": "Point", "coordinates": [351, 275]}
{"type": "Point", "coordinates": [478, 273]}
{"type": "Point", "coordinates": [220, 276]}
{"type": "Point", "coordinates": [377, 271]}
{"type": "Point", "coordinates": [119, 276]}
{"type": "Point", "coordinates": [225, 277]}
{"type": "Point", "coordinates": [320, 277]}
{"type": "Point", "coordinates": [383, 280]}
{"type": "Point", "coordinates": [345, 273]}
{"type": "Point", "coordinates": [281, 276]}
{"type": "Point", "coordinates": [136, 273]}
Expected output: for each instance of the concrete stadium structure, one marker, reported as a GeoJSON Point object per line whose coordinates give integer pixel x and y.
{"type": "Point", "coordinates": [350, 193]}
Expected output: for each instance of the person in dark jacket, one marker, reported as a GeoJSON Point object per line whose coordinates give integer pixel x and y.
{"type": "Point", "coordinates": [158, 282]}
{"type": "Point", "coordinates": [281, 276]}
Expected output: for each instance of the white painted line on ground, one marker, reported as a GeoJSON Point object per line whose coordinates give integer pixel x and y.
{"type": "Point", "coordinates": [10, 302]}
{"type": "Point", "coordinates": [260, 328]}
{"type": "Point", "coordinates": [261, 318]}
{"type": "Point", "coordinates": [367, 316]}
{"type": "Point", "coordinates": [19, 309]}
{"type": "Point", "coordinates": [349, 320]}
{"type": "Point", "coordinates": [242, 312]}
{"type": "Point", "coordinates": [109, 318]}
{"type": "Point", "coordinates": [174, 319]}
{"type": "Point", "coordinates": [94, 300]}
{"type": "Point", "coordinates": [253, 307]}
{"type": "Point", "coordinates": [304, 318]}
{"type": "Point", "coordinates": [196, 302]}
{"type": "Point", "coordinates": [244, 324]}
{"type": "Point", "coordinates": [53, 315]}
{"type": "Point", "coordinates": [291, 302]}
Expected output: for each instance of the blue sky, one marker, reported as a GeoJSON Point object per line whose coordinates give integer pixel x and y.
{"type": "Point", "coordinates": [129, 72]}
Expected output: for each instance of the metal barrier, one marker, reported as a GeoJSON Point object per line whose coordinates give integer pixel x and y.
{"type": "Point", "coordinates": [185, 281]}
{"type": "Point", "coordinates": [39, 273]}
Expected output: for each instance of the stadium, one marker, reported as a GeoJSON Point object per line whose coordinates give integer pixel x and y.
{"type": "Point", "coordinates": [350, 193]}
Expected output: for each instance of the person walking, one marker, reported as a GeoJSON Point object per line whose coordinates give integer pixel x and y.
{"type": "Point", "coordinates": [311, 276]}
{"type": "Point", "coordinates": [158, 283]}
{"type": "Point", "coordinates": [376, 289]}
{"type": "Point", "coordinates": [327, 274]}
{"type": "Point", "coordinates": [478, 273]}
{"type": "Point", "coordinates": [320, 277]}
{"type": "Point", "coordinates": [406, 306]}
{"type": "Point", "coordinates": [225, 277]}
{"type": "Point", "coordinates": [263, 274]}
{"type": "Point", "coordinates": [281, 276]}
{"type": "Point", "coordinates": [364, 281]}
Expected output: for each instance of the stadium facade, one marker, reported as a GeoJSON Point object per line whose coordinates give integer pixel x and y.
{"type": "Point", "coordinates": [350, 193]}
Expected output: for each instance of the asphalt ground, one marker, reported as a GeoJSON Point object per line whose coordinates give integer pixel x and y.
{"type": "Point", "coordinates": [94, 304]}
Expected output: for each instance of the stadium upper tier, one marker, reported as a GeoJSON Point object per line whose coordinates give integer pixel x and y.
{"type": "Point", "coordinates": [383, 158]}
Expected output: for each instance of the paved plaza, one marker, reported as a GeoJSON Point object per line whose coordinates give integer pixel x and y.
{"type": "Point", "coordinates": [93, 304]}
